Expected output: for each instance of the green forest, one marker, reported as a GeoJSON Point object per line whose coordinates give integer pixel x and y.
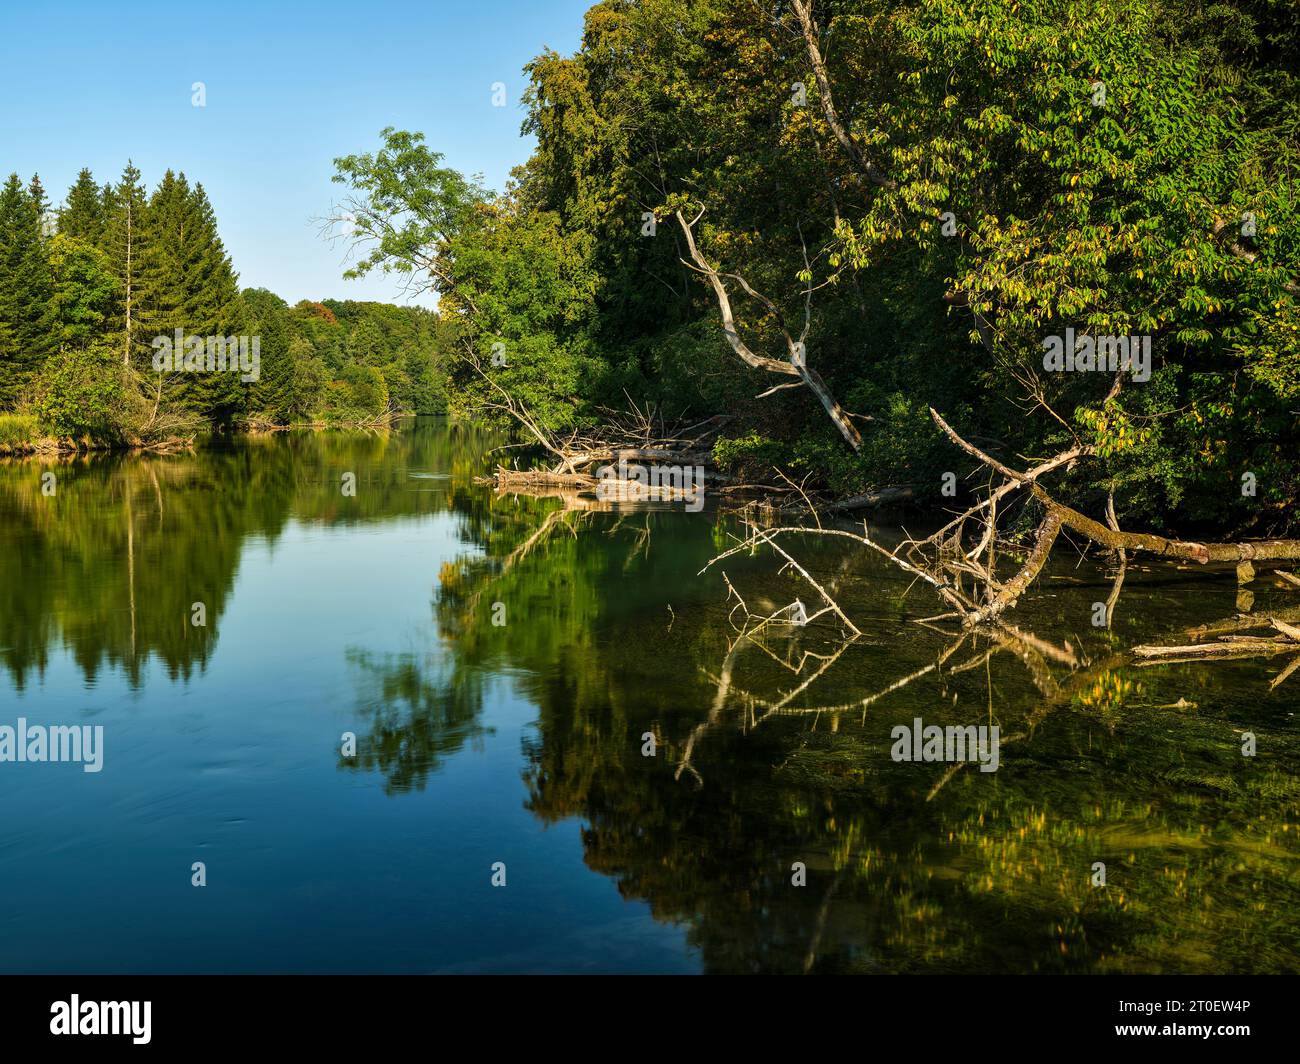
{"type": "Point", "coordinates": [724, 390]}
{"type": "Point", "coordinates": [900, 203]}
{"type": "Point", "coordinates": [923, 191]}
{"type": "Point", "coordinates": [85, 289]}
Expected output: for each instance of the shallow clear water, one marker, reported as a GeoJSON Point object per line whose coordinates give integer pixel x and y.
{"type": "Point", "coordinates": [522, 742]}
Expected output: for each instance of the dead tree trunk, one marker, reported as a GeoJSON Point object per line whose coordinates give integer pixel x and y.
{"type": "Point", "coordinates": [937, 556]}
{"type": "Point", "coordinates": [797, 364]}
{"type": "Point", "coordinates": [803, 11]}
{"type": "Point", "coordinates": [1246, 550]}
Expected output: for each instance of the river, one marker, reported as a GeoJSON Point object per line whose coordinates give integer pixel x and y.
{"type": "Point", "coordinates": [565, 760]}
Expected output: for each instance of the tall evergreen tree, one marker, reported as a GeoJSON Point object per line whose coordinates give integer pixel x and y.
{"type": "Point", "coordinates": [161, 291]}
{"type": "Point", "coordinates": [188, 283]}
{"type": "Point", "coordinates": [40, 201]}
{"type": "Point", "coordinates": [28, 328]}
{"type": "Point", "coordinates": [124, 238]}
{"type": "Point", "coordinates": [162, 295]}
{"type": "Point", "coordinates": [216, 305]}
{"type": "Point", "coordinates": [82, 216]}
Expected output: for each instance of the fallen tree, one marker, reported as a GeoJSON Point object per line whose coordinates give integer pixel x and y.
{"type": "Point", "coordinates": [969, 580]}
{"type": "Point", "coordinates": [944, 557]}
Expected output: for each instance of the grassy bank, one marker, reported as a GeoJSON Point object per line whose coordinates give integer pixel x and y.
{"type": "Point", "coordinates": [23, 434]}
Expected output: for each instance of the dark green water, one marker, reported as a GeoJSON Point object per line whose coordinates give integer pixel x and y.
{"type": "Point", "coordinates": [522, 742]}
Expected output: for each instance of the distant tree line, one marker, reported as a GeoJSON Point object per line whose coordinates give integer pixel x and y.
{"type": "Point", "coordinates": [87, 291]}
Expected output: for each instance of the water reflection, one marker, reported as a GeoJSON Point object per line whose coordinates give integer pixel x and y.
{"type": "Point", "coordinates": [771, 749]}
{"type": "Point", "coordinates": [112, 563]}
{"type": "Point", "coordinates": [415, 721]}
{"type": "Point", "coordinates": [776, 750]}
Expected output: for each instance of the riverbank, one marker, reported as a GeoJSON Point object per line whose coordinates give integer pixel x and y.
{"type": "Point", "coordinates": [257, 426]}
{"type": "Point", "coordinates": [36, 443]}
{"type": "Point", "coordinates": [56, 446]}
{"type": "Point", "coordinates": [21, 436]}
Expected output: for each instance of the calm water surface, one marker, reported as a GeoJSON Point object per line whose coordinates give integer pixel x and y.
{"type": "Point", "coordinates": [522, 742]}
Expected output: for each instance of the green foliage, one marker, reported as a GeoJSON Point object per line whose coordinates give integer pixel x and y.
{"type": "Point", "coordinates": [353, 361]}
{"type": "Point", "coordinates": [81, 394]}
{"type": "Point", "coordinates": [126, 270]}
{"type": "Point", "coordinates": [27, 325]}
{"type": "Point", "coordinates": [732, 454]}
{"type": "Point", "coordinates": [363, 388]}
{"type": "Point", "coordinates": [1272, 356]}
{"type": "Point", "coordinates": [405, 203]}
{"type": "Point", "coordinates": [274, 393]}
{"type": "Point", "coordinates": [85, 289]}
{"type": "Point", "coordinates": [125, 212]}
{"type": "Point", "coordinates": [517, 284]}
{"type": "Point", "coordinates": [18, 431]}
{"type": "Point", "coordinates": [1118, 167]}
{"type": "Point", "coordinates": [83, 215]}
{"type": "Point", "coordinates": [524, 292]}
{"type": "Point", "coordinates": [188, 282]}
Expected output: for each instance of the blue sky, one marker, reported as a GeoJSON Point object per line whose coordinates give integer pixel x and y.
{"type": "Point", "coordinates": [290, 86]}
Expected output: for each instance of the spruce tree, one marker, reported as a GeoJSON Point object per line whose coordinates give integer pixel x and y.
{"type": "Point", "coordinates": [187, 283]}
{"type": "Point", "coordinates": [160, 299]}
{"type": "Point", "coordinates": [82, 216]}
{"type": "Point", "coordinates": [125, 233]}
{"type": "Point", "coordinates": [214, 304]}
{"type": "Point", "coordinates": [161, 292]}
{"type": "Point", "coordinates": [40, 201]}
{"type": "Point", "coordinates": [28, 330]}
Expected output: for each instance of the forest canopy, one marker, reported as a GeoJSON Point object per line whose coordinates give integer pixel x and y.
{"type": "Point", "coordinates": [928, 194]}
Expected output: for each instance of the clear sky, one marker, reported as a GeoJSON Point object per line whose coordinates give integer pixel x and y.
{"type": "Point", "coordinates": [290, 86]}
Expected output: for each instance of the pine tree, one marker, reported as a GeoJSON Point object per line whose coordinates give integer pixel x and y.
{"type": "Point", "coordinates": [215, 305]}
{"type": "Point", "coordinates": [124, 235]}
{"type": "Point", "coordinates": [40, 201]}
{"type": "Point", "coordinates": [28, 329]}
{"type": "Point", "coordinates": [82, 216]}
{"type": "Point", "coordinates": [187, 283]}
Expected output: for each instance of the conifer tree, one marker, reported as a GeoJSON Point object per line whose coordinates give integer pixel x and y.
{"type": "Point", "coordinates": [82, 216]}
{"type": "Point", "coordinates": [215, 305]}
{"type": "Point", "coordinates": [124, 238]}
{"type": "Point", "coordinates": [161, 296]}
{"type": "Point", "coordinates": [187, 283]}
{"type": "Point", "coordinates": [28, 328]}
{"type": "Point", "coordinates": [40, 201]}
{"type": "Point", "coordinates": [163, 278]}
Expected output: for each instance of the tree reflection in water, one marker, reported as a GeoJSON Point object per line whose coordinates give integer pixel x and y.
{"type": "Point", "coordinates": [773, 743]}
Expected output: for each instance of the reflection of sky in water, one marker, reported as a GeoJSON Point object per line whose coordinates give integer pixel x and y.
{"type": "Point", "coordinates": [309, 868]}
{"type": "Point", "coordinates": [522, 744]}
